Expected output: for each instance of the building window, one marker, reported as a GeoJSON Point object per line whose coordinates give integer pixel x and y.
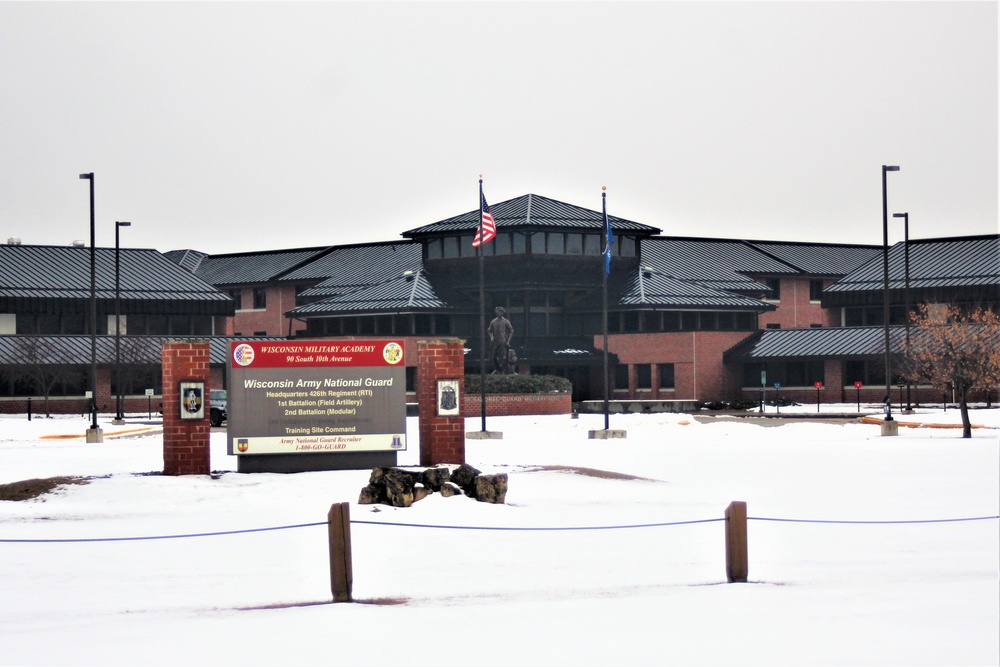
{"type": "Point", "coordinates": [666, 372]}
{"type": "Point", "coordinates": [450, 247]}
{"type": "Point", "coordinates": [621, 377]}
{"type": "Point", "coordinates": [773, 325]}
{"type": "Point", "coordinates": [434, 249]}
{"type": "Point", "coordinates": [502, 243]}
{"type": "Point", "coordinates": [259, 298]}
{"type": "Point", "coordinates": [773, 284]}
{"type": "Point", "coordinates": [591, 244]}
{"type": "Point", "coordinates": [237, 295]}
{"type": "Point", "coordinates": [644, 377]}
{"type": "Point", "coordinates": [815, 290]}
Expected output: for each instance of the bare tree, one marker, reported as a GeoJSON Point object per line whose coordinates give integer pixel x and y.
{"type": "Point", "coordinates": [40, 360]}
{"type": "Point", "coordinates": [952, 348]}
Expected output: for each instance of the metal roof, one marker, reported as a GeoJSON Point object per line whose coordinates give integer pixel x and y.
{"type": "Point", "coordinates": [969, 261]}
{"type": "Point", "coordinates": [530, 212]}
{"type": "Point", "coordinates": [819, 259]}
{"type": "Point", "coordinates": [75, 350]}
{"type": "Point", "coordinates": [716, 263]}
{"type": "Point", "coordinates": [652, 288]}
{"type": "Point", "coordinates": [347, 268]}
{"type": "Point", "coordinates": [188, 259]}
{"type": "Point", "coordinates": [254, 267]}
{"type": "Point", "coordinates": [31, 274]}
{"type": "Point", "coordinates": [826, 342]}
{"type": "Point", "coordinates": [407, 292]}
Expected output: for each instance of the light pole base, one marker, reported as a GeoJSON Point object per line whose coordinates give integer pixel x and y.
{"type": "Point", "coordinates": [95, 435]}
{"type": "Point", "coordinates": [117, 422]}
{"type": "Point", "coordinates": [484, 435]}
{"type": "Point", "coordinates": [606, 434]}
{"type": "Point", "coordinates": [890, 428]}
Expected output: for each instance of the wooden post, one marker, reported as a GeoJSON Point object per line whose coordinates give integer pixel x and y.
{"type": "Point", "coordinates": [341, 572]}
{"type": "Point", "coordinates": [737, 565]}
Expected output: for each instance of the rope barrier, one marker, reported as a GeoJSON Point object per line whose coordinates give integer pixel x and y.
{"type": "Point", "coordinates": [542, 528]}
{"type": "Point", "coordinates": [168, 537]}
{"type": "Point", "coordinates": [497, 528]}
{"type": "Point", "coordinates": [882, 523]}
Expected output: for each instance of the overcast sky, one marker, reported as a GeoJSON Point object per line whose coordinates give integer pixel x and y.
{"type": "Point", "coordinates": [232, 126]}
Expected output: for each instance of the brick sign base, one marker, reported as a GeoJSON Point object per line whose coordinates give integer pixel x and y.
{"type": "Point", "coordinates": [442, 438]}
{"type": "Point", "coordinates": [185, 442]}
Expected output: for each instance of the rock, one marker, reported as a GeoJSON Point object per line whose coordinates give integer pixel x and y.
{"type": "Point", "coordinates": [398, 487]}
{"type": "Point", "coordinates": [465, 477]}
{"type": "Point", "coordinates": [491, 488]}
{"type": "Point", "coordinates": [449, 489]}
{"type": "Point", "coordinates": [371, 495]}
{"type": "Point", "coordinates": [434, 477]}
{"type": "Point", "coordinates": [420, 492]}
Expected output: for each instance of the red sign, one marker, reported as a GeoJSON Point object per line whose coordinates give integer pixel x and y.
{"type": "Point", "coordinates": [315, 353]}
{"type": "Point", "coordinates": [857, 384]}
{"type": "Point", "coordinates": [818, 385]}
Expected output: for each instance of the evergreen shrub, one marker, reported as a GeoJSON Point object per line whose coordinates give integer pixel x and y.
{"type": "Point", "coordinates": [519, 384]}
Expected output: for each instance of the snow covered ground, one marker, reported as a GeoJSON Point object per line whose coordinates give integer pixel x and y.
{"type": "Point", "coordinates": [819, 593]}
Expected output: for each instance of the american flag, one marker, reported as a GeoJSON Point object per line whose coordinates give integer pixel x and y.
{"type": "Point", "coordinates": [487, 228]}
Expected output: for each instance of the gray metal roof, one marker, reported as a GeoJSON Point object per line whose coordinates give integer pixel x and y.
{"type": "Point", "coordinates": [34, 273]}
{"type": "Point", "coordinates": [970, 261]}
{"type": "Point", "coordinates": [188, 259]}
{"type": "Point", "coordinates": [819, 259]}
{"type": "Point", "coordinates": [407, 292]}
{"type": "Point", "coordinates": [716, 263]}
{"type": "Point", "coordinates": [254, 267]}
{"type": "Point", "coordinates": [533, 211]}
{"type": "Point", "coordinates": [75, 350]}
{"type": "Point", "coordinates": [346, 268]}
{"type": "Point", "coordinates": [826, 342]}
{"type": "Point", "coordinates": [655, 289]}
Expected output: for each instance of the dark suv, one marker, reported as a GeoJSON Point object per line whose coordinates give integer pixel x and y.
{"type": "Point", "coordinates": [217, 401]}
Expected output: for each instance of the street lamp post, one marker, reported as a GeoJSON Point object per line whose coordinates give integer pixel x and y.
{"type": "Point", "coordinates": [906, 288]}
{"type": "Point", "coordinates": [888, 426]}
{"type": "Point", "coordinates": [119, 417]}
{"type": "Point", "coordinates": [94, 433]}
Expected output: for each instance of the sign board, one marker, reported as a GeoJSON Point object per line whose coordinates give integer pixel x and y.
{"type": "Point", "coordinates": [777, 385]}
{"type": "Point", "coordinates": [192, 400]}
{"type": "Point", "coordinates": [857, 384]}
{"type": "Point", "coordinates": [307, 396]}
{"type": "Point", "coordinates": [763, 378]}
{"type": "Point", "coordinates": [818, 385]}
{"type": "Point", "coordinates": [150, 392]}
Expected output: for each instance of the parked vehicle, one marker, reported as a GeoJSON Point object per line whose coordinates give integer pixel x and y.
{"type": "Point", "coordinates": [217, 403]}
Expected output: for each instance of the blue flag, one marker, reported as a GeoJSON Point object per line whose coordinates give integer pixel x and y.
{"type": "Point", "coordinates": [609, 236]}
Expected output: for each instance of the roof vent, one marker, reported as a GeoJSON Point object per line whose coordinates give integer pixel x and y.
{"type": "Point", "coordinates": [14, 240]}
{"type": "Point", "coordinates": [408, 275]}
{"type": "Point", "coordinates": [78, 244]}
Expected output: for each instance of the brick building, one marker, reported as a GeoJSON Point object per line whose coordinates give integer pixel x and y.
{"type": "Point", "coordinates": [688, 318]}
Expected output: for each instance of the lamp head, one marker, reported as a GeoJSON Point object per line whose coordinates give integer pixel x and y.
{"type": "Point", "coordinates": [889, 168]}
{"type": "Point", "coordinates": [87, 177]}
{"type": "Point", "coordinates": [124, 224]}
{"type": "Point", "coordinates": [900, 215]}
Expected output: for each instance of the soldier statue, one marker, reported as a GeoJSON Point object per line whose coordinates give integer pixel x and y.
{"type": "Point", "coordinates": [501, 331]}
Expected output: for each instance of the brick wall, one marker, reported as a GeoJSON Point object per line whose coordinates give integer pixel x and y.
{"type": "Point", "coordinates": [270, 320]}
{"type": "Point", "coordinates": [185, 442]}
{"type": "Point", "coordinates": [795, 310]}
{"type": "Point", "coordinates": [699, 373]}
{"type": "Point", "coordinates": [505, 405]}
{"type": "Point", "coordinates": [442, 439]}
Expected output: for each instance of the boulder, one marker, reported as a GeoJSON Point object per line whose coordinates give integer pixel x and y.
{"type": "Point", "coordinates": [465, 476]}
{"type": "Point", "coordinates": [449, 489]}
{"type": "Point", "coordinates": [434, 478]}
{"type": "Point", "coordinates": [491, 488]}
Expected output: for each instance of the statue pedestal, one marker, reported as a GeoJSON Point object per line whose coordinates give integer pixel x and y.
{"type": "Point", "coordinates": [890, 427]}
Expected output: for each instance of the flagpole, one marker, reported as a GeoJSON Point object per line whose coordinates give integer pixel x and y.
{"type": "Point", "coordinates": [482, 312]}
{"type": "Point", "coordinates": [604, 289]}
